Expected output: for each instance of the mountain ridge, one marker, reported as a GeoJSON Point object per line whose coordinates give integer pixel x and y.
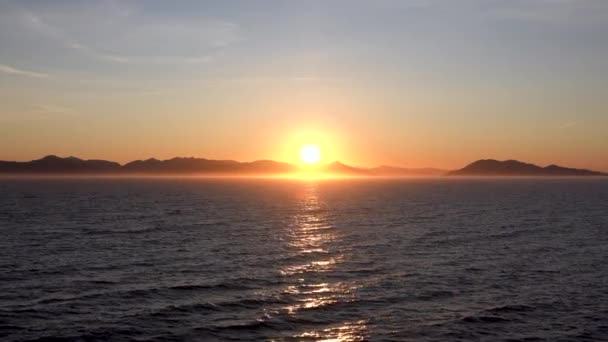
{"type": "Point", "coordinates": [493, 167]}
{"type": "Point", "coordinates": [53, 164]}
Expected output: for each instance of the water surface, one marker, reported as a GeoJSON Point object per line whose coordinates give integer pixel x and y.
{"type": "Point", "coordinates": [288, 260]}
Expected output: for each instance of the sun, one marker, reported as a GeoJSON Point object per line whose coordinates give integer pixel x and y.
{"type": "Point", "coordinates": [310, 154]}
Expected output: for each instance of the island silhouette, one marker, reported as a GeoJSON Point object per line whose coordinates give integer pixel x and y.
{"type": "Point", "coordinates": [491, 167]}
{"type": "Point", "coordinates": [54, 165]}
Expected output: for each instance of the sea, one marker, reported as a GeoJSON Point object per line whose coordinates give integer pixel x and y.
{"type": "Point", "coordinates": [200, 259]}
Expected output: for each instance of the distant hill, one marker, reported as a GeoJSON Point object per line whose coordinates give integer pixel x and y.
{"type": "Point", "coordinates": [340, 168]}
{"type": "Point", "coordinates": [201, 165]}
{"type": "Point", "coordinates": [384, 170]}
{"type": "Point", "coordinates": [400, 171]}
{"type": "Point", "coordinates": [491, 167]}
{"type": "Point", "coordinates": [72, 165]}
{"type": "Point", "coordinates": [56, 165]}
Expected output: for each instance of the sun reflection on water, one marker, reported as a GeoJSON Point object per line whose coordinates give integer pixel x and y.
{"type": "Point", "coordinates": [314, 242]}
{"type": "Point", "coordinates": [349, 331]}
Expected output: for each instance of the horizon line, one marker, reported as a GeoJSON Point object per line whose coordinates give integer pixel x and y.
{"type": "Point", "coordinates": [302, 166]}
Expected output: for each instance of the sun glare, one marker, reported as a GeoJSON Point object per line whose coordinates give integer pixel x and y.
{"type": "Point", "coordinates": [310, 154]}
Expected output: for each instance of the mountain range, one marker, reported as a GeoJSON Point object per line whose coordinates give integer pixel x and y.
{"type": "Point", "coordinates": [491, 167]}
{"type": "Point", "coordinates": [71, 165]}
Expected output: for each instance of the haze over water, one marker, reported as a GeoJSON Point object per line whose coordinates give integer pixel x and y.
{"type": "Point", "coordinates": [290, 260]}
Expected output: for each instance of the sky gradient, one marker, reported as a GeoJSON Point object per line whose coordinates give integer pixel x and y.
{"type": "Point", "coordinates": [416, 83]}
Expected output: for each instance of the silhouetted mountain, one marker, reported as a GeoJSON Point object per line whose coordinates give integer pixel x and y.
{"type": "Point", "coordinates": [201, 165]}
{"type": "Point", "coordinates": [385, 170]}
{"type": "Point", "coordinates": [180, 165]}
{"type": "Point", "coordinates": [263, 166]}
{"type": "Point", "coordinates": [71, 165]}
{"type": "Point", "coordinates": [491, 167]}
{"type": "Point", "coordinates": [340, 168]}
{"type": "Point", "coordinates": [54, 164]}
{"type": "Point", "coordinates": [393, 171]}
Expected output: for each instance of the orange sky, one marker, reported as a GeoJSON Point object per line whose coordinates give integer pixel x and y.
{"type": "Point", "coordinates": [430, 84]}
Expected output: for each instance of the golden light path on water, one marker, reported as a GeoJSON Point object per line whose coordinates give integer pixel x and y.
{"type": "Point", "coordinates": [313, 239]}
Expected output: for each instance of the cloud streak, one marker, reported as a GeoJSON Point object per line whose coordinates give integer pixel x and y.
{"type": "Point", "coordinates": [137, 41]}
{"type": "Point", "coordinates": [51, 109]}
{"type": "Point", "coordinates": [87, 50]}
{"type": "Point", "coordinates": [568, 125]}
{"type": "Point", "coordinates": [548, 11]}
{"type": "Point", "coordinates": [14, 71]}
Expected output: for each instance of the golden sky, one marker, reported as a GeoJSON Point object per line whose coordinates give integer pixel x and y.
{"type": "Point", "coordinates": [405, 83]}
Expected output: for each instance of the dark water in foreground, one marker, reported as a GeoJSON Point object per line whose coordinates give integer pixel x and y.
{"type": "Point", "coordinates": [378, 260]}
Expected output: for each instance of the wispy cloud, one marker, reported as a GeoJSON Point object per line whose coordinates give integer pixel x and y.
{"type": "Point", "coordinates": [568, 125]}
{"type": "Point", "coordinates": [293, 79]}
{"type": "Point", "coordinates": [87, 50]}
{"type": "Point", "coordinates": [15, 71]}
{"type": "Point", "coordinates": [547, 11]}
{"type": "Point", "coordinates": [31, 112]}
{"type": "Point", "coordinates": [136, 40]}
{"type": "Point", "coordinates": [51, 109]}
